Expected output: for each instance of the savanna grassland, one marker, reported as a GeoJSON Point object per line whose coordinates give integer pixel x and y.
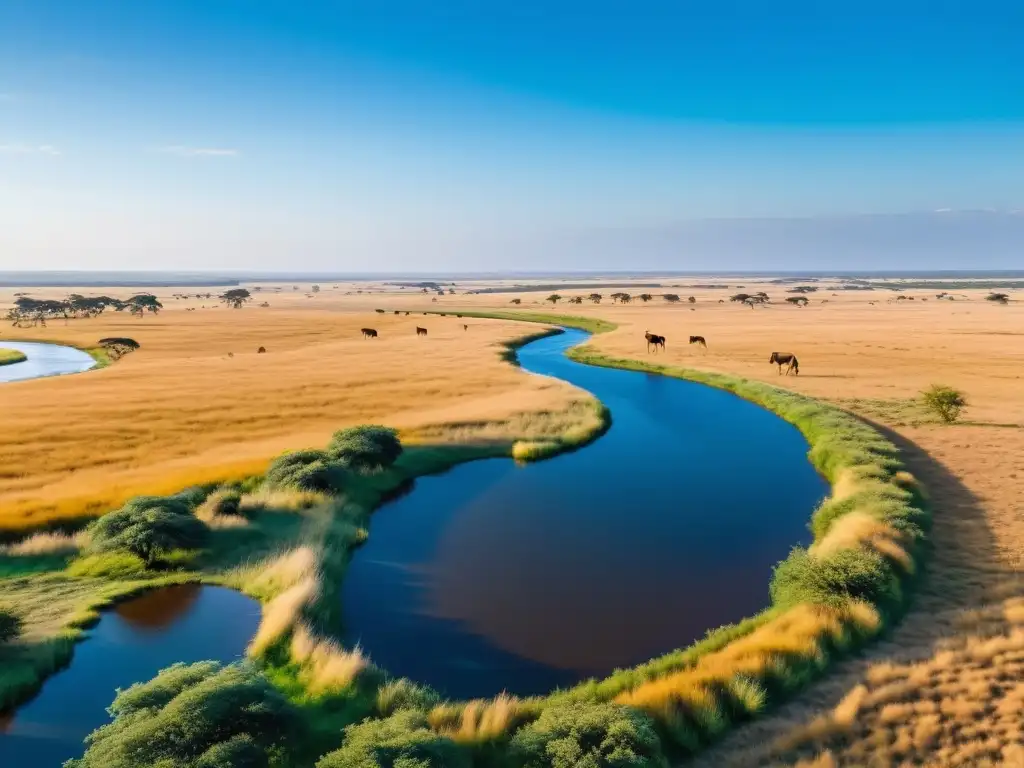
{"type": "Point", "coordinates": [197, 403]}
{"type": "Point", "coordinates": [943, 688]}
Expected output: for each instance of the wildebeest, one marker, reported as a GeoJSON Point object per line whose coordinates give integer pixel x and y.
{"type": "Point", "coordinates": [655, 339]}
{"type": "Point", "coordinates": [699, 340]}
{"type": "Point", "coordinates": [369, 333]}
{"type": "Point", "coordinates": [261, 350]}
{"type": "Point", "coordinates": [421, 331]}
{"type": "Point", "coordinates": [786, 358]}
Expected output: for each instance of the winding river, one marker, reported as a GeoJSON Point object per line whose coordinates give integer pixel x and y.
{"type": "Point", "coordinates": [131, 643]}
{"type": "Point", "coordinates": [497, 577]}
{"type": "Point", "coordinates": [44, 360]}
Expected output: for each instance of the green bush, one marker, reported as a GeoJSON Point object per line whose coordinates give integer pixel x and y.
{"type": "Point", "coordinates": [857, 574]}
{"type": "Point", "coordinates": [365, 447]}
{"type": "Point", "coordinates": [307, 471]}
{"type": "Point", "coordinates": [226, 501]}
{"type": "Point", "coordinates": [149, 527]}
{"type": "Point", "coordinates": [945, 402]}
{"type": "Point", "coordinates": [10, 624]}
{"type": "Point", "coordinates": [195, 716]}
{"type": "Point", "coordinates": [401, 741]}
{"type": "Point", "coordinates": [589, 735]}
{"type": "Point", "coordinates": [402, 693]}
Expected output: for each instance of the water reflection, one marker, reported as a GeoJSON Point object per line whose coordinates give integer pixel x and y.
{"type": "Point", "coordinates": [155, 611]}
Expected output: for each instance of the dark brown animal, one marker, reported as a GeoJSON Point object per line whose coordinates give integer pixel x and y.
{"type": "Point", "coordinates": [397, 312]}
{"type": "Point", "coordinates": [369, 333]}
{"type": "Point", "coordinates": [379, 311]}
{"type": "Point", "coordinates": [788, 359]}
{"type": "Point", "coordinates": [465, 327]}
{"type": "Point", "coordinates": [261, 350]}
{"type": "Point", "coordinates": [699, 340]}
{"type": "Point", "coordinates": [421, 331]}
{"type": "Point", "coordinates": [655, 340]}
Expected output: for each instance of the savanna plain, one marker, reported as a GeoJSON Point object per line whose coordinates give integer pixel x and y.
{"type": "Point", "coordinates": [197, 405]}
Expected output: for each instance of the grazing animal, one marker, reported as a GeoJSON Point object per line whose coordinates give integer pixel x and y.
{"type": "Point", "coordinates": [699, 340]}
{"type": "Point", "coordinates": [421, 331]}
{"type": "Point", "coordinates": [655, 339]}
{"type": "Point", "coordinates": [231, 354]}
{"type": "Point", "coordinates": [458, 315]}
{"type": "Point", "coordinates": [406, 314]}
{"type": "Point", "coordinates": [261, 350]}
{"type": "Point", "coordinates": [465, 327]}
{"type": "Point", "coordinates": [397, 312]}
{"type": "Point", "coordinates": [369, 333]}
{"type": "Point", "coordinates": [379, 311]}
{"type": "Point", "coordinates": [786, 358]}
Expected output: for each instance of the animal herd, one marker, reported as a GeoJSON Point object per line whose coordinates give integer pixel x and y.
{"type": "Point", "coordinates": [787, 359]}
{"type": "Point", "coordinates": [372, 333]}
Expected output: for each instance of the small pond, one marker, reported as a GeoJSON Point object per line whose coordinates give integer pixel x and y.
{"type": "Point", "coordinates": [131, 643]}
{"type": "Point", "coordinates": [44, 360]}
{"type": "Point", "coordinates": [497, 577]}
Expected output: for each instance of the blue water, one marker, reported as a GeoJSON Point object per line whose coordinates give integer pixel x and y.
{"type": "Point", "coordinates": [132, 642]}
{"type": "Point", "coordinates": [497, 577]}
{"type": "Point", "coordinates": [44, 360]}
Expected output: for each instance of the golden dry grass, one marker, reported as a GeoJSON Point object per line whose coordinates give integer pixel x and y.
{"type": "Point", "coordinates": [180, 411]}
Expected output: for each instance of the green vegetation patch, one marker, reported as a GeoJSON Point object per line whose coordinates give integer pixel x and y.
{"type": "Point", "coordinates": [11, 356]}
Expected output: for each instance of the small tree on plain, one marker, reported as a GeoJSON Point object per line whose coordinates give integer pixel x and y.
{"type": "Point", "coordinates": [692, 300]}
{"type": "Point", "coordinates": [945, 402]}
{"type": "Point", "coordinates": [645, 297]}
{"type": "Point", "coordinates": [517, 301]}
{"type": "Point", "coordinates": [671, 298]}
{"type": "Point", "coordinates": [236, 298]}
{"type": "Point", "coordinates": [554, 298]}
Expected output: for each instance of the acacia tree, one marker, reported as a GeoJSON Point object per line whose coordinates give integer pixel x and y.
{"type": "Point", "coordinates": [576, 300]}
{"type": "Point", "coordinates": [514, 301]}
{"type": "Point", "coordinates": [671, 298]}
{"type": "Point", "coordinates": [141, 303]}
{"type": "Point", "coordinates": [236, 297]}
{"type": "Point", "coordinates": [692, 300]}
{"type": "Point", "coordinates": [554, 298]}
{"type": "Point", "coordinates": [595, 297]}
{"type": "Point", "coordinates": [645, 297]}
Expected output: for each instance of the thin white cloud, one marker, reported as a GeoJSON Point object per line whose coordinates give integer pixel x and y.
{"type": "Point", "coordinates": [184, 151]}
{"type": "Point", "coordinates": [29, 149]}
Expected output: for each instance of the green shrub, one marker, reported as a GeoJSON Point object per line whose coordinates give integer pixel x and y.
{"type": "Point", "coordinates": [945, 402]}
{"type": "Point", "coordinates": [402, 693]}
{"type": "Point", "coordinates": [148, 527]}
{"type": "Point", "coordinates": [226, 501]}
{"type": "Point", "coordinates": [307, 471]}
{"type": "Point", "coordinates": [857, 574]}
{"type": "Point", "coordinates": [401, 741]}
{"type": "Point", "coordinates": [365, 447]}
{"type": "Point", "coordinates": [195, 716]}
{"type": "Point", "coordinates": [10, 624]}
{"type": "Point", "coordinates": [589, 735]}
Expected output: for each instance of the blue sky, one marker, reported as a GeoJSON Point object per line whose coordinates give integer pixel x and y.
{"type": "Point", "coordinates": [530, 135]}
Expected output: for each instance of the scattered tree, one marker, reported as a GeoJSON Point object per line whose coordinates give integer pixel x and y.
{"type": "Point", "coordinates": [692, 300]}
{"type": "Point", "coordinates": [998, 298]}
{"type": "Point", "coordinates": [236, 297]}
{"type": "Point", "coordinates": [595, 297]}
{"type": "Point", "coordinates": [148, 527]}
{"type": "Point", "coordinates": [308, 470]}
{"type": "Point", "coordinates": [554, 298]}
{"type": "Point", "coordinates": [576, 300]}
{"type": "Point", "coordinates": [645, 297]}
{"type": "Point", "coordinates": [517, 301]}
{"type": "Point", "coordinates": [141, 303]}
{"type": "Point", "coordinates": [803, 289]}
{"type": "Point", "coordinates": [799, 301]}
{"type": "Point", "coordinates": [945, 402]}
{"type": "Point", "coordinates": [671, 298]}
{"type": "Point", "coordinates": [315, 289]}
